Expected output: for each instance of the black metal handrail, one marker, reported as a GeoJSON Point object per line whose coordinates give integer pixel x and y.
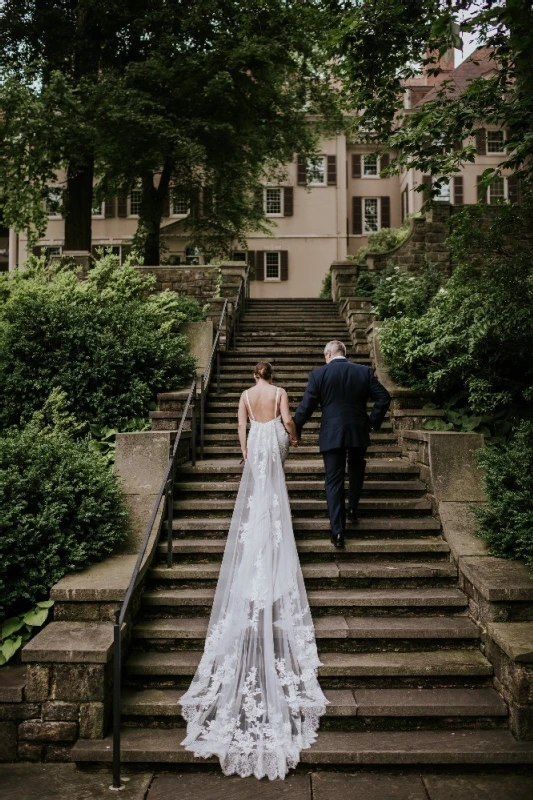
{"type": "Point", "coordinates": [166, 490]}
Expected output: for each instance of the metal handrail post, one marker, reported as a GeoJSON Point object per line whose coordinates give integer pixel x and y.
{"type": "Point", "coordinates": [117, 674]}
{"type": "Point", "coordinates": [193, 430]}
{"type": "Point", "coordinates": [218, 371]}
{"type": "Point", "coordinates": [170, 516]}
{"type": "Point", "coordinates": [202, 417]}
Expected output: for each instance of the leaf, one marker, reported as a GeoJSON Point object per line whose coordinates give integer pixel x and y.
{"type": "Point", "coordinates": [11, 625]}
{"type": "Point", "coordinates": [10, 647]}
{"type": "Point", "coordinates": [45, 604]}
{"type": "Point", "coordinates": [37, 617]}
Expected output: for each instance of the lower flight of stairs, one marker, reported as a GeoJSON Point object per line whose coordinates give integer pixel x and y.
{"type": "Point", "coordinates": [402, 664]}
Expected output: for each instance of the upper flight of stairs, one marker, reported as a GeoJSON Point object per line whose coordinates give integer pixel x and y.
{"type": "Point", "coordinates": [402, 663]}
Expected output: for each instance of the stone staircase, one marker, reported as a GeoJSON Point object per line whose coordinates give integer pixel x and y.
{"type": "Point", "coordinates": [402, 664]}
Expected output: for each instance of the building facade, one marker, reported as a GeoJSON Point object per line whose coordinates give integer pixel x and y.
{"type": "Point", "coordinates": [324, 211]}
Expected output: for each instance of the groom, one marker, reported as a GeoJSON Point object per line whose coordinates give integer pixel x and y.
{"type": "Point", "coordinates": [343, 389]}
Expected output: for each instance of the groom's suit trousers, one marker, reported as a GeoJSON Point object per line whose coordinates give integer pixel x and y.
{"type": "Point", "coordinates": [335, 466]}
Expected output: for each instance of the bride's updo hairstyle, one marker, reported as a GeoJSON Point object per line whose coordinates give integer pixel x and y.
{"type": "Point", "coordinates": [263, 369]}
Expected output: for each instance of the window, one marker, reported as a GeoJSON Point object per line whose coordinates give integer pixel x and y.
{"type": "Point", "coordinates": [371, 214]}
{"type": "Point", "coordinates": [192, 255]}
{"type": "Point", "coordinates": [495, 142]}
{"type": "Point", "coordinates": [370, 167]}
{"type": "Point", "coordinates": [97, 210]}
{"type": "Point", "coordinates": [239, 255]}
{"type": "Point", "coordinates": [497, 191]}
{"type": "Point", "coordinates": [405, 203]}
{"type": "Point", "coordinates": [316, 171]}
{"type": "Point", "coordinates": [53, 202]}
{"type": "Point", "coordinates": [443, 191]}
{"type": "Point", "coordinates": [51, 251]}
{"type": "Point", "coordinates": [272, 266]}
{"type": "Point", "coordinates": [135, 202]}
{"type": "Point", "coordinates": [180, 204]}
{"type": "Point", "coordinates": [273, 202]}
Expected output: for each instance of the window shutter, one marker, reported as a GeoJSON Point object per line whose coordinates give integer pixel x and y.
{"type": "Point", "coordinates": [356, 165]}
{"type": "Point", "coordinates": [260, 265]}
{"type": "Point", "coordinates": [301, 172]}
{"type": "Point", "coordinates": [166, 204]}
{"type": "Point", "coordinates": [284, 265]}
{"type": "Point", "coordinates": [481, 142]}
{"type": "Point", "coordinates": [357, 215]}
{"type": "Point", "coordinates": [288, 201]}
{"type": "Point", "coordinates": [125, 250]}
{"type": "Point", "coordinates": [332, 170]}
{"type": "Point", "coordinates": [109, 207]}
{"type": "Point", "coordinates": [259, 204]}
{"type": "Point", "coordinates": [36, 250]}
{"type": "Point", "coordinates": [427, 182]}
{"type": "Point", "coordinates": [481, 190]}
{"type": "Point", "coordinates": [385, 212]}
{"type": "Point", "coordinates": [207, 200]}
{"type": "Point", "coordinates": [250, 258]}
{"type": "Point", "coordinates": [513, 189]}
{"type": "Point", "coordinates": [195, 203]}
{"type": "Point", "coordinates": [122, 205]}
{"type": "Point", "coordinates": [458, 197]}
{"type": "Point", "coordinates": [385, 159]}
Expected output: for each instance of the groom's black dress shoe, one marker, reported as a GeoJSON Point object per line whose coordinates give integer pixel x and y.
{"type": "Point", "coordinates": [338, 541]}
{"type": "Point", "coordinates": [352, 516]}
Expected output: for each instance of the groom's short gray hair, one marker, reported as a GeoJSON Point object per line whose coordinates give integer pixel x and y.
{"type": "Point", "coordinates": [335, 347]}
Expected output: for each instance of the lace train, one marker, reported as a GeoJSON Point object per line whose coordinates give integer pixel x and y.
{"type": "Point", "coordinates": [255, 701]}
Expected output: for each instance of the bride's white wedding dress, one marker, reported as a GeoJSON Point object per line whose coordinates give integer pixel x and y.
{"type": "Point", "coordinates": [255, 700]}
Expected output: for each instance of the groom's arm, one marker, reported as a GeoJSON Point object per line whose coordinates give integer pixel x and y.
{"type": "Point", "coordinates": [308, 404]}
{"type": "Point", "coordinates": [381, 399]}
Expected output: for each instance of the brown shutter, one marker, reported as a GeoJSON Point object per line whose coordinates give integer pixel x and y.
{"type": "Point", "coordinates": [166, 203]}
{"type": "Point", "coordinates": [357, 215]}
{"type": "Point", "coordinates": [125, 250]}
{"type": "Point", "coordinates": [301, 172]}
{"type": "Point", "coordinates": [260, 265]}
{"type": "Point", "coordinates": [195, 203]}
{"type": "Point", "coordinates": [385, 159]}
{"type": "Point", "coordinates": [288, 201]}
{"type": "Point", "coordinates": [481, 190]}
{"type": "Point", "coordinates": [250, 258]}
{"type": "Point", "coordinates": [207, 200]}
{"type": "Point", "coordinates": [259, 199]}
{"type": "Point", "coordinates": [37, 250]}
{"type": "Point", "coordinates": [481, 142]}
{"type": "Point", "coordinates": [284, 265]}
{"type": "Point", "coordinates": [513, 189]}
{"type": "Point", "coordinates": [427, 182]}
{"type": "Point", "coordinates": [122, 205]}
{"type": "Point", "coordinates": [109, 207]}
{"type": "Point", "coordinates": [385, 212]}
{"type": "Point", "coordinates": [332, 170]}
{"type": "Point", "coordinates": [356, 165]}
{"type": "Point", "coordinates": [458, 196]}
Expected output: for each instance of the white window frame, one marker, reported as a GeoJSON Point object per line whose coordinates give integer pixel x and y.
{"type": "Point", "coordinates": [173, 213]}
{"type": "Point", "coordinates": [265, 196]}
{"type": "Point", "coordinates": [310, 166]}
{"type": "Point", "coordinates": [505, 197]}
{"type": "Point", "coordinates": [378, 165]}
{"type": "Point", "coordinates": [100, 214]}
{"type": "Point", "coordinates": [378, 200]}
{"type": "Point", "coordinates": [494, 152]}
{"type": "Point", "coordinates": [278, 277]}
{"type": "Point", "coordinates": [130, 213]}
{"type": "Point", "coordinates": [446, 199]}
{"type": "Point", "coordinates": [57, 191]}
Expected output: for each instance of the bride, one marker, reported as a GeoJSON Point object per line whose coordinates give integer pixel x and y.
{"type": "Point", "coordinates": [255, 700]}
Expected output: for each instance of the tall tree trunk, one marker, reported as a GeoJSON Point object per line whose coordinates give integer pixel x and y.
{"type": "Point", "coordinates": [78, 206]}
{"type": "Point", "coordinates": [151, 212]}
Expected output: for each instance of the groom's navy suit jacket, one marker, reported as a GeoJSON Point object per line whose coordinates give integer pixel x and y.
{"type": "Point", "coordinates": [343, 389]}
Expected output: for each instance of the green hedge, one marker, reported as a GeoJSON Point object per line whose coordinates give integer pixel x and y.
{"type": "Point", "coordinates": [107, 342]}
{"type": "Point", "coordinates": [62, 508]}
{"type": "Point", "coordinates": [506, 521]}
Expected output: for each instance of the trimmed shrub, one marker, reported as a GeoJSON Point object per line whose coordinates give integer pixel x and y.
{"type": "Point", "coordinates": [107, 342]}
{"type": "Point", "coordinates": [62, 508]}
{"type": "Point", "coordinates": [506, 521]}
{"type": "Point", "coordinates": [325, 291]}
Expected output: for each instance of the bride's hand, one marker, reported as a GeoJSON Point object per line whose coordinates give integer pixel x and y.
{"type": "Point", "coordinates": [244, 455]}
{"type": "Point", "coordinates": [294, 442]}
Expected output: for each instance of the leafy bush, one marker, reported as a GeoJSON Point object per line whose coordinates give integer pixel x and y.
{"type": "Point", "coordinates": [325, 291]}
{"type": "Point", "coordinates": [107, 341]}
{"type": "Point", "coordinates": [402, 294]}
{"type": "Point", "coordinates": [16, 631]}
{"type": "Point", "coordinates": [506, 521]}
{"type": "Point", "coordinates": [365, 284]}
{"type": "Point", "coordinates": [476, 337]}
{"type": "Point", "coordinates": [382, 241]}
{"type": "Point", "coordinates": [62, 507]}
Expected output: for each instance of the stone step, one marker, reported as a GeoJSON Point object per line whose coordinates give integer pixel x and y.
{"type": "Point", "coordinates": [398, 467]}
{"type": "Point", "coordinates": [303, 451]}
{"type": "Point", "coordinates": [370, 487]}
{"type": "Point", "coordinates": [226, 399]}
{"type": "Point", "coordinates": [364, 629]}
{"type": "Point", "coordinates": [438, 663]}
{"type": "Point", "coordinates": [375, 528]}
{"type": "Point", "coordinates": [393, 549]}
{"type": "Point", "coordinates": [357, 748]}
{"type": "Point", "coordinates": [310, 437]}
{"type": "Point", "coordinates": [353, 601]}
{"type": "Point", "coordinates": [383, 505]}
{"type": "Point", "coordinates": [368, 705]}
